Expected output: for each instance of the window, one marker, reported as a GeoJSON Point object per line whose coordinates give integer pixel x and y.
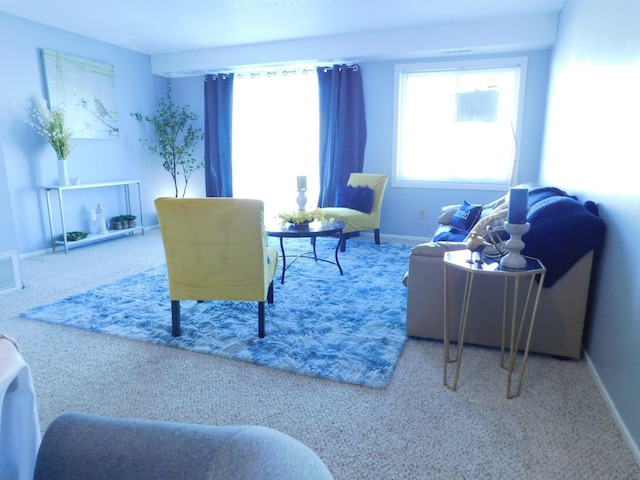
{"type": "Point", "coordinates": [456, 123]}
{"type": "Point", "coordinates": [275, 138]}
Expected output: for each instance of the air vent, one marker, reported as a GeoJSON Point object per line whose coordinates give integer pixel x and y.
{"type": "Point", "coordinates": [9, 272]}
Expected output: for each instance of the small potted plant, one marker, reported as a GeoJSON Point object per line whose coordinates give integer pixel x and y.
{"type": "Point", "coordinates": [116, 222]}
{"type": "Point", "coordinates": [130, 221]}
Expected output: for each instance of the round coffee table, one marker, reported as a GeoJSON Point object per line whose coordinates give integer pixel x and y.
{"type": "Point", "coordinates": [312, 231]}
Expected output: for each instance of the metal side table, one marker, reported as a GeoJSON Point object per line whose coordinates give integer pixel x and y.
{"type": "Point", "coordinates": [513, 279]}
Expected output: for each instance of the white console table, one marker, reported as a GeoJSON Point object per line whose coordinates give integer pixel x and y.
{"type": "Point", "coordinates": [125, 184]}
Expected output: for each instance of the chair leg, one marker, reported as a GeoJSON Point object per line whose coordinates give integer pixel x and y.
{"type": "Point", "coordinates": [270, 293]}
{"type": "Point", "coordinates": [376, 235]}
{"type": "Point", "coordinates": [261, 319]}
{"type": "Point", "coordinates": [175, 318]}
{"type": "Point", "coordinates": [343, 242]}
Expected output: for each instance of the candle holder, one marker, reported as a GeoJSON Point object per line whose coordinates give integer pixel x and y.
{"type": "Point", "coordinates": [513, 259]}
{"type": "Point", "coordinates": [301, 199]}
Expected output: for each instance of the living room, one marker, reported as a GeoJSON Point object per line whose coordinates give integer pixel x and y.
{"type": "Point", "coordinates": [581, 95]}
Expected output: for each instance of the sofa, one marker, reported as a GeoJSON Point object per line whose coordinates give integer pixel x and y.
{"type": "Point", "coordinates": [564, 234]}
{"type": "Point", "coordinates": [91, 447]}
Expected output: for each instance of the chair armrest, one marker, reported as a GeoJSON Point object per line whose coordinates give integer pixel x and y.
{"type": "Point", "coordinates": [92, 447]}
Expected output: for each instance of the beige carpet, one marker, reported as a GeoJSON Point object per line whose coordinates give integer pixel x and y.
{"type": "Point", "coordinates": [559, 428]}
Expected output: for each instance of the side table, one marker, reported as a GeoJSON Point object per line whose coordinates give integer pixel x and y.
{"type": "Point", "coordinates": [513, 278]}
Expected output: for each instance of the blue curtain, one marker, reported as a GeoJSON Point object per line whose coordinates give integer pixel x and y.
{"type": "Point", "coordinates": [343, 129]}
{"type": "Point", "coordinates": [218, 101]}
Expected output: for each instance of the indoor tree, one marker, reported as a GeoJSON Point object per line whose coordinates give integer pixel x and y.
{"type": "Point", "coordinates": [175, 139]}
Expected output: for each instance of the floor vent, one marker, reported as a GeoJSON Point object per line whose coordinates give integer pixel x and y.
{"type": "Point", "coordinates": [9, 272]}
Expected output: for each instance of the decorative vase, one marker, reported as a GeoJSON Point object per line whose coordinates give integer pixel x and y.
{"type": "Point", "coordinates": [63, 176]}
{"type": "Point", "coordinates": [513, 259]}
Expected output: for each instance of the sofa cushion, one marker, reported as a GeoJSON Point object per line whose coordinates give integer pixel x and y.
{"type": "Point", "coordinates": [357, 198]}
{"type": "Point", "coordinates": [466, 216]}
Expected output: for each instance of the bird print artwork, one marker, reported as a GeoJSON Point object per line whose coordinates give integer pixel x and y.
{"type": "Point", "coordinates": [100, 110]}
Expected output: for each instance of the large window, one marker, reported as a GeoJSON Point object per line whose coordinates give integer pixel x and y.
{"type": "Point", "coordinates": [457, 123]}
{"type": "Point", "coordinates": [275, 137]}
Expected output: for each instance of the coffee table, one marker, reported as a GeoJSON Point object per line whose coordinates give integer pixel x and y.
{"type": "Point", "coordinates": [312, 231]}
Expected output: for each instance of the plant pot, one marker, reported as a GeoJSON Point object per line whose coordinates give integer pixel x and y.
{"type": "Point", "coordinates": [131, 224]}
{"type": "Point", "coordinates": [116, 225]}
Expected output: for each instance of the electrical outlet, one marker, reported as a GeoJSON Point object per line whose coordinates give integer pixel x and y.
{"type": "Point", "coordinates": [421, 214]}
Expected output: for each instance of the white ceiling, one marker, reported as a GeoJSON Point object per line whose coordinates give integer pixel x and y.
{"type": "Point", "coordinates": [165, 26]}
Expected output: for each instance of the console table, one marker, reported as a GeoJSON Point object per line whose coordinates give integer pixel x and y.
{"type": "Point", "coordinates": [60, 189]}
{"type": "Point", "coordinates": [475, 266]}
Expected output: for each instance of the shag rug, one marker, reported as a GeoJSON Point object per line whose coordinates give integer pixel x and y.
{"type": "Point", "coordinates": [348, 328]}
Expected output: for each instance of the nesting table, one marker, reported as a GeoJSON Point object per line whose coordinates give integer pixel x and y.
{"type": "Point", "coordinates": [531, 277]}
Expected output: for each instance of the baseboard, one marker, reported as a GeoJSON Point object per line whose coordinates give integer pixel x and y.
{"type": "Point", "coordinates": [394, 238]}
{"type": "Point", "coordinates": [635, 450]}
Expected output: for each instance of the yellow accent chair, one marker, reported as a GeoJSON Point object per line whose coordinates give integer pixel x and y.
{"type": "Point", "coordinates": [355, 220]}
{"type": "Point", "coordinates": [216, 249]}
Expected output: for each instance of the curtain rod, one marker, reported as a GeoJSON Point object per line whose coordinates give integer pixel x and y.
{"type": "Point", "coordinates": [273, 73]}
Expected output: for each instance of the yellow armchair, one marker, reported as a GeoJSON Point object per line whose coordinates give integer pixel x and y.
{"type": "Point", "coordinates": [355, 220]}
{"type": "Point", "coordinates": [216, 249]}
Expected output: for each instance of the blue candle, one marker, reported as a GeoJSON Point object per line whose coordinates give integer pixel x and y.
{"type": "Point", "coordinates": [518, 205]}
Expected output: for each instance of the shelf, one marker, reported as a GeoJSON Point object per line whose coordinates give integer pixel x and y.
{"type": "Point", "coordinates": [59, 189]}
{"type": "Point", "coordinates": [96, 237]}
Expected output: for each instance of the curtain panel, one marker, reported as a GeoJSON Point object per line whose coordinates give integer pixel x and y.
{"type": "Point", "coordinates": [343, 130]}
{"type": "Point", "coordinates": [218, 104]}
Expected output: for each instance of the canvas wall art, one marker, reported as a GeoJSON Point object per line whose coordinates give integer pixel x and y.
{"type": "Point", "coordinates": [85, 90]}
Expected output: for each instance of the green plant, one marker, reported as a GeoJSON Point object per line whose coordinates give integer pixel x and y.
{"type": "Point", "coordinates": [298, 217]}
{"type": "Point", "coordinates": [175, 139]}
{"type": "Point", "coordinates": [127, 217]}
{"type": "Point", "coordinates": [74, 236]}
{"type": "Point", "coordinates": [50, 124]}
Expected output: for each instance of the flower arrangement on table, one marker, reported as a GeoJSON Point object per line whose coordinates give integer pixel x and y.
{"type": "Point", "coordinates": [50, 124]}
{"type": "Point", "coordinates": [304, 217]}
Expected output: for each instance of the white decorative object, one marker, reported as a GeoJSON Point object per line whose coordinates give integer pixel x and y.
{"type": "Point", "coordinates": [74, 180]}
{"type": "Point", "coordinates": [63, 176]}
{"type": "Point", "coordinates": [513, 259]}
{"type": "Point", "coordinates": [301, 199]}
{"type": "Point", "coordinates": [101, 220]}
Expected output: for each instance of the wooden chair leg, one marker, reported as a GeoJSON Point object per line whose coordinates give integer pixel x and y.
{"type": "Point", "coordinates": [343, 242]}
{"type": "Point", "coordinates": [376, 235]}
{"type": "Point", "coordinates": [270, 293]}
{"type": "Point", "coordinates": [175, 318]}
{"type": "Point", "coordinates": [261, 319]}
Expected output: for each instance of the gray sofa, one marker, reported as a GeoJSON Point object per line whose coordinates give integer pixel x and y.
{"type": "Point", "coordinates": [556, 221]}
{"type": "Point", "coordinates": [88, 447]}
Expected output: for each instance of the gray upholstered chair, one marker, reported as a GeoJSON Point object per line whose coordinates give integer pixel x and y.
{"type": "Point", "coordinates": [355, 220]}
{"type": "Point", "coordinates": [89, 447]}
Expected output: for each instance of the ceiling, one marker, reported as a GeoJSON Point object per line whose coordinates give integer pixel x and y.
{"type": "Point", "coordinates": [167, 26]}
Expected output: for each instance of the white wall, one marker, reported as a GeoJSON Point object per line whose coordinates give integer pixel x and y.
{"type": "Point", "coordinates": [592, 149]}
{"type": "Point", "coordinates": [30, 162]}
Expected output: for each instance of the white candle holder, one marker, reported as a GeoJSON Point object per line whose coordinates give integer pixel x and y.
{"type": "Point", "coordinates": [301, 199]}
{"type": "Point", "coordinates": [513, 259]}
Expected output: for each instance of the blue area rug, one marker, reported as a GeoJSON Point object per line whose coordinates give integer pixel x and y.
{"type": "Point", "coordinates": [348, 328]}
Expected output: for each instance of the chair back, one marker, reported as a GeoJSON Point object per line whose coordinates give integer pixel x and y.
{"type": "Point", "coordinates": [375, 181]}
{"type": "Point", "coordinates": [216, 248]}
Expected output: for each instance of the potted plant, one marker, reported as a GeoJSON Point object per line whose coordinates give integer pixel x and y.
{"type": "Point", "coordinates": [116, 222]}
{"type": "Point", "coordinates": [175, 139]}
{"type": "Point", "coordinates": [130, 220]}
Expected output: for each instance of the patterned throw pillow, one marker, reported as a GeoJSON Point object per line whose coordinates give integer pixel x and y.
{"type": "Point", "coordinates": [466, 216]}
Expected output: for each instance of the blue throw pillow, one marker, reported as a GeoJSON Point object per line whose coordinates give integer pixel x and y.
{"type": "Point", "coordinates": [356, 198]}
{"type": "Point", "coordinates": [466, 216]}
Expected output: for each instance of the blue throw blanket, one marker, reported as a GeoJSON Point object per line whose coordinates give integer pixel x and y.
{"type": "Point", "coordinates": [562, 232]}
